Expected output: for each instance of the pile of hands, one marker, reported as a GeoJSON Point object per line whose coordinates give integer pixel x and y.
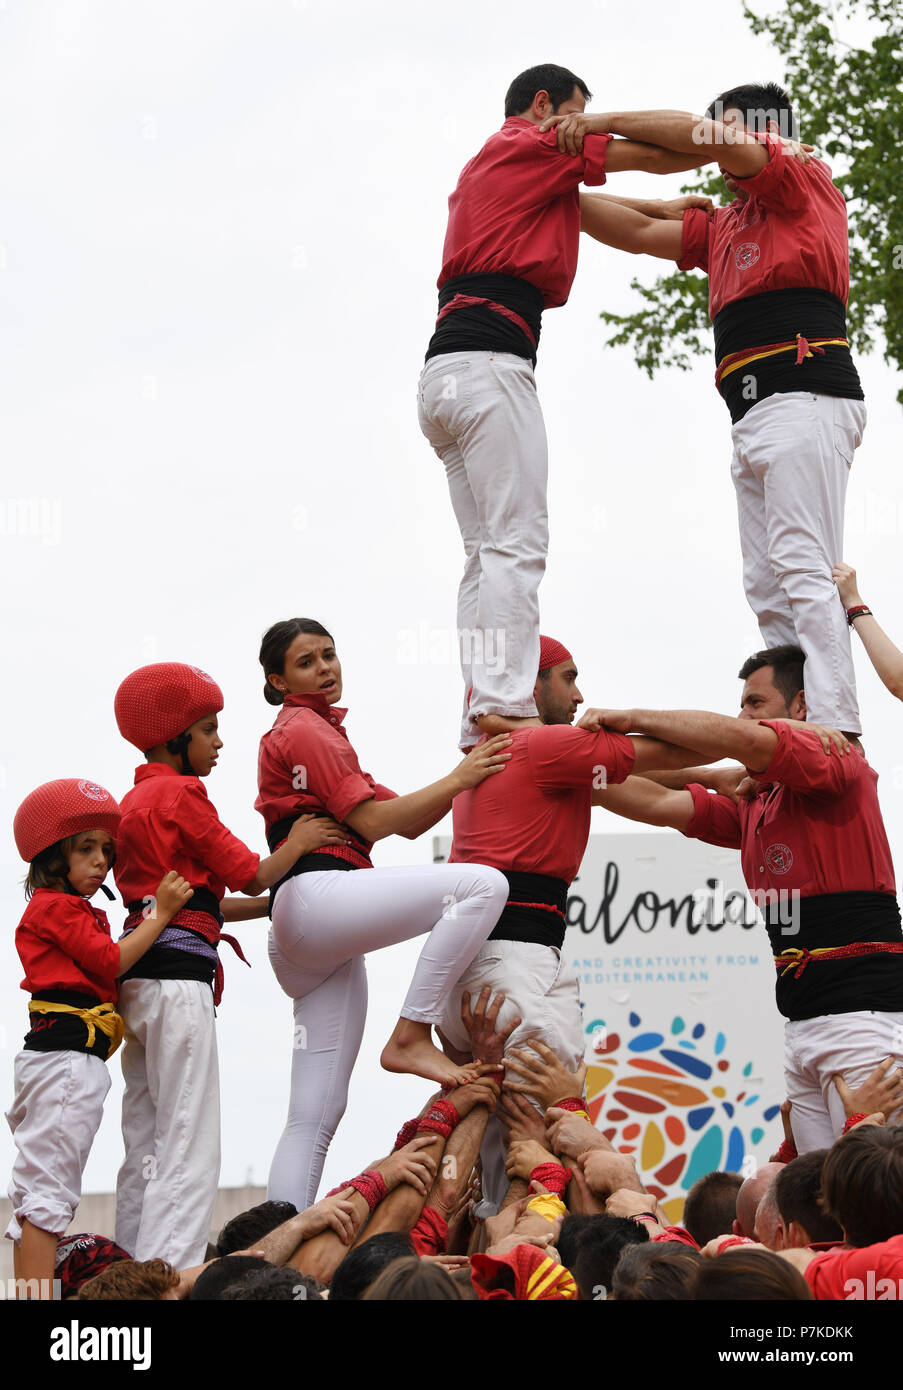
{"type": "Point", "coordinates": [538, 1132]}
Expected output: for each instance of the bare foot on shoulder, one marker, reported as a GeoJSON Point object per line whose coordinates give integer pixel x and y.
{"type": "Point", "coordinates": [492, 724]}
{"type": "Point", "coordinates": [411, 1049]}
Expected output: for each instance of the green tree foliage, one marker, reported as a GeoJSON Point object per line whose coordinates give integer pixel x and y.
{"type": "Point", "coordinates": [849, 102]}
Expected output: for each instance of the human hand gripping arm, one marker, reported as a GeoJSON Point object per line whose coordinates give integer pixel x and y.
{"type": "Point", "coordinates": [308, 833]}
{"type": "Point", "coordinates": [474, 1103]}
{"type": "Point", "coordinates": [419, 810]}
{"type": "Point", "coordinates": [173, 892]}
{"type": "Point", "coordinates": [321, 1255]}
{"type": "Point", "coordinates": [693, 138]}
{"type": "Point", "coordinates": [886, 658]}
{"type": "Point", "coordinates": [408, 1174]}
{"type": "Point", "coordinates": [714, 736]}
{"type": "Point", "coordinates": [543, 1075]}
{"type": "Point", "coordinates": [663, 209]}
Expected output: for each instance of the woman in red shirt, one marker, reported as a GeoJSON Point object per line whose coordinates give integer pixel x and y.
{"type": "Point", "coordinates": [326, 916]}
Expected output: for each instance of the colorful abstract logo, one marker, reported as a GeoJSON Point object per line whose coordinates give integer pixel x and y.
{"type": "Point", "coordinates": [676, 1102]}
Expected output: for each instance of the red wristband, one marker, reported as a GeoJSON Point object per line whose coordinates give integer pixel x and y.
{"type": "Point", "coordinates": [573, 1102]}
{"type": "Point", "coordinates": [853, 1120]}
{"type": "Point", "coordinates": [370, 1184]}
{"type": "Point", "coordinates": [787, 1152]}
{"type": "Point", "coordinates": [441, 1118]}
{"type": "Point", "coordinates": [554, 1176]}
{"type": "Point", "coordinates": [406, 1133]}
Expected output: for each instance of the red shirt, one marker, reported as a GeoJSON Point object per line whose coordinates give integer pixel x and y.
{"type": "Point", "coordinates": [168, 822]}
{"type": "Point", "coordinates": [65, 943]}
{"type": "Point", "coordinates": [857, 1273]}
{"type": "Point", "coordinates": [791, 233]}
{"type": "Point", "coordinates": [306, 763]}
{"type": "Point", "coordinates": [516, 209]}
{"type": "Point", "coordinates": [534, 817]}
{"type": "Point", "coordinates": [818, 830]}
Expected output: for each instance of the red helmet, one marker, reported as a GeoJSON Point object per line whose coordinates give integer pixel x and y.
{"type": "Point", "coordinates": [157, 703]}
{"type": "Point", "coordinates": [57, 809]}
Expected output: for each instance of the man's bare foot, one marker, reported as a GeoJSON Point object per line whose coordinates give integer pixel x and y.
{"type": "Point", "coordinates": [411, 1049]}
{"type": "Point", "coordinates": [492, 724]}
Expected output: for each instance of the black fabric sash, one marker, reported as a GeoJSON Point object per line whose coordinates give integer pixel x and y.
{"type": "Point", "coordinates": [479, 328]}
{"type": "Point", "coordinates": [534, 911]}
{"type": "Point", "coordinates": [776, 317]}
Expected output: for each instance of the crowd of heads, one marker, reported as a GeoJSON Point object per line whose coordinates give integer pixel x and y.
{"type": "Point", "coordinates": [577, 1222]}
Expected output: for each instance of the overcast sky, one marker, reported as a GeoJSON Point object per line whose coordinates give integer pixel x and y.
{"type": "Point", "coordinates": [220, 231]}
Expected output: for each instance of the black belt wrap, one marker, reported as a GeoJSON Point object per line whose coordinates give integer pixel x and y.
{"type": "Point", "coordinates": [521, 920]}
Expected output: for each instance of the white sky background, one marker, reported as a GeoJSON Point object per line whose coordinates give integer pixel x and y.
{"type": "Point", "coordinates": [221, 227]}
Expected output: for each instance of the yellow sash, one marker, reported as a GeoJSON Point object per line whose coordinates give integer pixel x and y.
{"type": "Point", "coordinates": [102, 1016]}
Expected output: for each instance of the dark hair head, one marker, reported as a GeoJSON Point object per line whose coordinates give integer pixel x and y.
{"type": "Point", "coordinates": [144, 1280]}
{"type": "Point", "coordinates": [572, 1228]}
{"type": "Point", "coordinates": [862, 1183]}
{"type": "Point", "coordinates": [274, 648]}
{"type": "Point", "coordinates": [217, 1277]}
{"type": "Point", "coordinates": [743, 1273]}
{"type": "Point", "coordinates": [599, 1242]}
{"type": "Point", "coordinates": [273, 1284]}
{"type": "Point", "coordinates": [243, 1230]}
{"type": "Point", "coordinates": [547, 77]}
{"type": "Point", "coordinates": [660, 1271]}
{"type": "Point", "coordinates": [787, 669]}
{"type": "Point", "coordinates": [412, 1280]}
{"type": "Point", "coordinates": [362, 1264]}
{"type": "Point", "coordinates": [50, 868]}
{"type": "Point", "coordinates": [759, 103]}
{"type": "Point", "coordinates": [711, 1206]}
{"type": "Point", "coordinates": [797, 1189]}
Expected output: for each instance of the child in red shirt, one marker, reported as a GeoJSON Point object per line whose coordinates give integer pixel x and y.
{"type": "Point", "coordinates": [65, 832]}
{"type": "Point", "coordinates": [170, 1111]}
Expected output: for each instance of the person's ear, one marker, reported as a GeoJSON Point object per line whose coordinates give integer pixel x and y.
{"type": "Point", "coordinates": [542, 106]}
{"type": "Point", "coordinates": [797, 1237]}
{"type": "Point", "coordinates": [798, 706]}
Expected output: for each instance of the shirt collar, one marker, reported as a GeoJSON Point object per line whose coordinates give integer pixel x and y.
{"type": "Point", "coordinates": [154, 770]}
{"type": "Point", "coordinates": [333, 714]}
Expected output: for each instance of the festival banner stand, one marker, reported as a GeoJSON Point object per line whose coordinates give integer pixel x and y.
{"type": "Point", "coordinates": [677, 982]}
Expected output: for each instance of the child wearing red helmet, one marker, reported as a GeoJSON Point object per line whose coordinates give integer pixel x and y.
{"type": "Point", "coordinates": [65, 831]}
{"type": "Point", "coordinates": [170, 1111]}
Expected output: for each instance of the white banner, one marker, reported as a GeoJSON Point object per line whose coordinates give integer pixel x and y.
{"type": "Point", "coordinates": [677, 981]}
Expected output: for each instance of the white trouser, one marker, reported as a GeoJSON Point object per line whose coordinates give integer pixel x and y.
{"type": "Point", "coordinates": [167, 1184]}
{"type": "Point", "coordinates": [791, 464]}
{"type": "Point", "coordinates": [540, 987]}
{"type": "Point", "coordinates": [481, 413]}
{"type": "Point", "coordinates": [323, 923]}
{"type": "Point", "coordinates": [815, 1049]}
{"type": "Point", "coordinates": [56, 1112]}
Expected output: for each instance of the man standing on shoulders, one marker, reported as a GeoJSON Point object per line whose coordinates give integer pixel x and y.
{"type": "Point", "coordinates": [510, 252]}
{"type": "Point", "coordinates": [777, 259]}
